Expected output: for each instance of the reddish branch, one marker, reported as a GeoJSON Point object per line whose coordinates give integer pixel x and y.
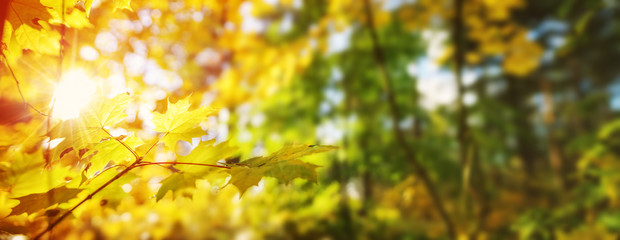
{"type": "Point", "coordinates": [418, 169]}
{"type": "Point", "coordinates": [124, 145]}
{"type": "Point", "coordinates": [70, 211]}
{"type": "Point", "coordinates": [117, 176]}
{"type": "Point", "coordinates": [180, 163]}
{"type": "Point", "coordinates": [137, 163]}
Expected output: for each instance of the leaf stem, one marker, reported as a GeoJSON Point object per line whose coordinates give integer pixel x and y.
{"type": "Point", "coordinates": [117, 176]}
{"type": "Point", "coordinates": [152, 146]}
{"type": "Point", "coordinates": [90, 196]}
{"type": "Point", "coordinates": [135, 164]}
{"type": "Point", "coordinates": [124, 145]}
{"type": "Point", "coordinates": [181, 163]}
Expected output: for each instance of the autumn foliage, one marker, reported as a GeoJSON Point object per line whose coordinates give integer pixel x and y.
{"type": "Point", "coordinates": [304, 119]}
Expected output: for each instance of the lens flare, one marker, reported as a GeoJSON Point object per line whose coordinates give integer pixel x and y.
{"type": "Point", "coordinates": [72, 94]}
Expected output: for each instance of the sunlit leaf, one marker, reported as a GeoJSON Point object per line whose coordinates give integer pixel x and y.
{"type": "Point", "coordinates": [178, 123]}
{"type": "Point", "coordinates": [175, 182]}
{"type": "Point", "coordinates": [35, 202]}
{"type": "Point", "coordinates": [107, 112]}
{"type": "Point", "coordinates": [27, 12]}
{"type": "Point", "coordinates": [205, 153]}
{"type": "Point", "coordinates": [282, 165]}
{"type": "Point", "coordinates": [27, 175]}
{"type": "Point", "coordinates": [88, 127]}
{"type": "Point", "coordinates": [111, 151]}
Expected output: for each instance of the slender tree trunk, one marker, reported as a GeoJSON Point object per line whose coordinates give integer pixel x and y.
{"type": "Point", "coordinates": [525, 146]}
{"type": "Point", "coordinates": [458, 73]}
{"type": "Point", "coordinates": [419, 170]}
{"type": "Point", "coordinates": [556, 158]}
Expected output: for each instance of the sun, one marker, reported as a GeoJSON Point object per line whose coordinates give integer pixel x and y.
{"type": "Point", "coordinates": [72, 94]}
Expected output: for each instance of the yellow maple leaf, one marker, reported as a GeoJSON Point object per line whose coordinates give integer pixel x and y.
{"type": "Point", "coordinates": [88, 127]}
{"type": "Point", "coordinates": [180, 124]}
{"type": "Point", "coordinates": [27, 12]}
{"type": "Point", "coordinates": [107, 112]}
{"type": "Point", "coordinates": [118, 4]}
{"type": "Point", "coordinates": [111, 150]}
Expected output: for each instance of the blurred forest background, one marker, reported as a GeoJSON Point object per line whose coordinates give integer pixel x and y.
{"type": "Point", "coordinates": [468, 119]}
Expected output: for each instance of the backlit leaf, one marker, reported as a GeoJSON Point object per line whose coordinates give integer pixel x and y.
{"type": "Point", "coordinates": [118, 4]}
{"type": "Point", "coordinates": [107, 112]}
{"type": "Point", "coordinates": [174, 182]}
{"type": "Point", "coordinates": [73, 17]}
{"type": "Point", "coordinates": [35, 202]}
{"type": "Point", "coordinates": [28, 19]}
{"type": "Point", "coordinates": [204, 153]}
{"type": "Point", "coordinates": [88, 127]}
{"type": "Point", "coordinates": [27, 175]}
{"type": "Point", "coordinates": [282, 165]}
{"type": "Point", "coordinates": [111, 151]}
{"type": "Point", "coordinates": [180, 124]}
{"type": "Point", "coordinates": [27, 12]}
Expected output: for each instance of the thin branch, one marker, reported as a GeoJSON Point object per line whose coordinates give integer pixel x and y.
{"type": "Point", "coordinates": [104, 170]}
{"type": "Point", "coordinates": [117, 176]}
{"type": "Point", "coordinates": [419, 170]}
{"type": "Point", "coordinates": [124, 145]}
{"type": "Point", "coordinates": [19, 88]}
{"type": "Point", "coordinates": [61, 47]}
{"type": "Point", "coordinates": [152, 146]}
{"type": "Point", "coordinates": [90, 196]}
{"type": "Point", "coordinates": [135, 164]}
{"type": "Point", "coordinates": [180, 163]}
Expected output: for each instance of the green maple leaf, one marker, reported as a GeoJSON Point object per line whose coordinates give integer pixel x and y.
{"type": "Point", "coordinates": [175, 182]}
{"type": "Point", "coordinates": [205, 153]}
{"type": "Point", "coordinates": [37, 201]}
{"type": "Point", "coordinates": [283, 165]}
{"type": "Point", "coordinates": [180, 124]}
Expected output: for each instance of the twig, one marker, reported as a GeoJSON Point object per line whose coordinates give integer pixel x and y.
{"type": "Point", "coordinates": [117, 176]}
{"type": "Point", "coordinates": [154, 144]}
{"type": "Point", "coordinates": [104, 170]}
{"type": "Point", "coordinates": [181, 163]}
{"type": "Point", "coordinates": [419, 170]}
{"type": "Point", "coordinates": [19, 88]}
{"type": "Point", "coordinates": [61, 47]}
{"type": "Point", "coordinates": [68, 212]}
{"type": "Point", "coordinates": [122, 143]}
{"type": "Point", "coordinates": [135, 164]}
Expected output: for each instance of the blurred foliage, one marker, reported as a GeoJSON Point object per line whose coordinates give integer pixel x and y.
{"type": "Point", "coordinates": [537, 89]}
